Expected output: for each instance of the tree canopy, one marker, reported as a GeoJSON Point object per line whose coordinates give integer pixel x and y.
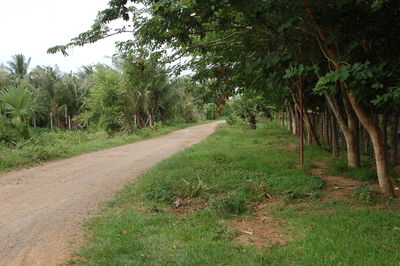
{"type": "Point", "coordinates": [342, 54]}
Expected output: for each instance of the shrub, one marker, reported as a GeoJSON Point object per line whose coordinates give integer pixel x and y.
{"type": "Point", "coordinates": [160, 191]}
{"type": "Point", "coordinates": [234, 203]}
{"type": "Point", "coordinates": [227, 110]}
{"type": "Point", "coordinates": [194, 189]}
{"type": "Point", "coordinates": [365, 194]}
{"type": "Point", "coordinates": [231, 120]}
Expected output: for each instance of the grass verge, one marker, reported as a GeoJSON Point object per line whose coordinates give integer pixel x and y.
{"type": "Point", "coordinates": [180, 212]}
{"type": "Point", "coordinates": [49, 146]}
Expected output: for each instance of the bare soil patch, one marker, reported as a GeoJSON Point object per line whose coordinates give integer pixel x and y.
{"type": "Point", "coordinates": [338, 187]}
{"type": "Point", "coordinates": [261, 231]}
{"type": "Point", "coordinates": [291, 147]}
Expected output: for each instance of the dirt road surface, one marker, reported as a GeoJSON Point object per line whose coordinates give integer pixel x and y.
{"type": "Point", "coordinates": [42, 208]}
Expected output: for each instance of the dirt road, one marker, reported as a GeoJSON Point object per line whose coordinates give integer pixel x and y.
{"type": "Point", "coordinates": [41, 208]}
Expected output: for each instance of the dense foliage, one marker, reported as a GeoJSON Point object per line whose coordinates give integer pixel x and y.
{"type": "Point", "coordinates": [132, 95]}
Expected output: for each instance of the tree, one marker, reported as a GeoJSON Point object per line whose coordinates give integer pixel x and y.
{"type": "Point", "coordinates": [48, 80]}
{"type": "Point", "coordinates": [19, 66]}
{"type": "Point", "coordinates": [18, 107]}
{"type": "Point", "coordinates": [248, 107]}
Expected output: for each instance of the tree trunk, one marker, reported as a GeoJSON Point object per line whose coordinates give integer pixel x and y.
{"type": "Point", "coordinates": [353, 153]}
{"type": "Point", "coordinates": [135, 120]}
{"type": "Point", "coordinates": [66, 115]}
{"type": "Point", "coordinates": [334, 134]}
{"type": "Point", "coordinates": [329, 121]}
{"type": "Point", "coordinates": [395, 138]}
{"type": "Point", "coordinates": [293, 113]}
{"type": "Point", "coordinates": [252, 121]}
{"type": "Point", "coordinates": [379, 149]}
{"type": "Point", "coordinates": [301, 110]}
{"type": "Point", "coordinates": [289, 119]}
{"type": "Point", "coordinates": [354, 145]}
{"type": "Point", "coordinates": [306, 118]}
{"type": "Point", "coordinates": [326, 124]}
{"type": "Point", "coordinates": [365, 140]}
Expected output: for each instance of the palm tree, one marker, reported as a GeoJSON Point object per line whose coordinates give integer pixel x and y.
{"type": "Point", "coordinates": [48, 80]}
{"type": "Point", "coordinates": [18, 106]}
{"type": "Point", "coordinates": [18, 66]}
{"type": "Point", "coordinates": [248, 106]}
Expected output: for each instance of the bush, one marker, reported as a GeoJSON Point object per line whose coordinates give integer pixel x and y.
{"type": "Point", "coordinates": [231, 120]}
{"type": "Point", "coordinates": [234, 203]}
{"type": "Point", "coordinates": [365, 194]}
{"type": "Point", "coordinates": [160, 191]}
{"type": "Point", "coordinates": [227, 110]}
{"type": "Point", "coordinates": [195, 188]}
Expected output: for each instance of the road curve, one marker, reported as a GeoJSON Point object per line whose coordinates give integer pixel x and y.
{"type": "Point", "coordinates": [41, 208]}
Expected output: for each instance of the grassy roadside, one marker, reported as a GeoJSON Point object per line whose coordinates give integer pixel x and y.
{"type": "Point", "coordinates": [49, 146]}
{"type": "Point", "coordinates": [181, 212]}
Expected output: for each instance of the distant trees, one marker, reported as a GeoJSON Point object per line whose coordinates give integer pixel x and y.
{"type": "Point", "coordinates": [138, 93]}
{"type": "Point", "coordinates": [137, 97]}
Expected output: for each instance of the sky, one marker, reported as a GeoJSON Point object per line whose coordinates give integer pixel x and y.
{"type": "Point", "coordinates": [30, 27]}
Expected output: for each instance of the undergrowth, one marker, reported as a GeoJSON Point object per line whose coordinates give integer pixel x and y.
{"type": "Point", "coordinates": [340, 167]}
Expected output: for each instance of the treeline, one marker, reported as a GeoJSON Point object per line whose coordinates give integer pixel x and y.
{"type": "Point", "coordinates": [331, 61]}
{"type": "Point", "coordinates": [133, 94]}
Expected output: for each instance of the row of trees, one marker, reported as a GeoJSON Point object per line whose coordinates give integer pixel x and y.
{"type": "Point", "coordinates": [133, 94]}
{"type": "Point", "coordinates": [42, 97]}
{"type": "Point", "coordinates": [304, 56]}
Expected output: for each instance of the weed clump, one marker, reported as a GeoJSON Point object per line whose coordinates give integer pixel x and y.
{"type": "Point", "coordinates": [290, 195]}
{"type": "Point", "coordinates": [231, 120]}
{"type": "Point", "coordinates": [234, 203]}
{"type": "Point", "coordinates": [365, 194]}
{"type": "Point", "coordinates": [194, 189]}
{"type": "Point", "coordinates": [160, 191]}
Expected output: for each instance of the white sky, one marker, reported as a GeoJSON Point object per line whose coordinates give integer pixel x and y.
{"type": "Point", "coordinates": [30, 27]}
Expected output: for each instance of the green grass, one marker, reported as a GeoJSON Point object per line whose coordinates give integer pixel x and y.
{"type": "Point", "coordinates": [340, 237]}
{"type": "Point", "coordinates": [46, 146]}
{"type": "Point", "coordinates": [340, 167]}
{"type": "Point", "coordinates": [220, 180]}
